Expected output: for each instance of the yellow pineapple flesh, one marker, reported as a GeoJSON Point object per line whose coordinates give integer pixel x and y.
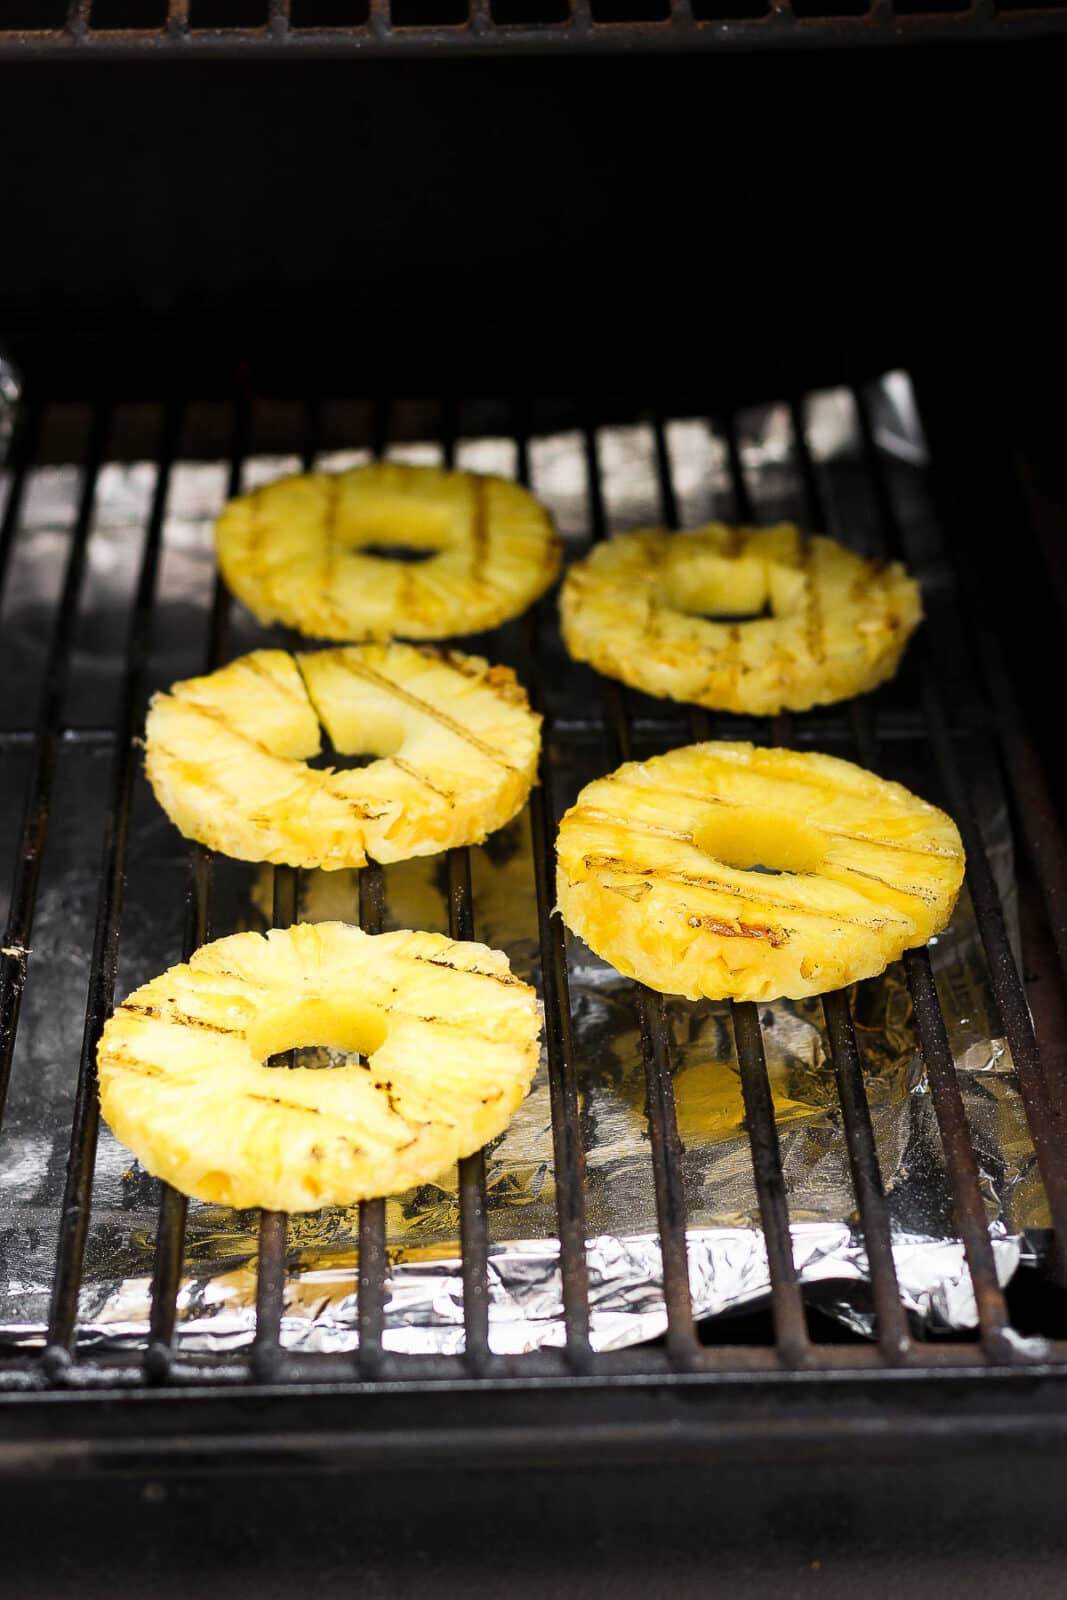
{"type": "Point", "coordinates": [449, 1035]}
{"type": "Point", "coordinates": [677, 615]}
{"type": "Point", "coordinates": [458, 745]}
{"type": "Point", "coordinates": [312, 551]}
{"type": "Point", "coordinates": [658, 871]}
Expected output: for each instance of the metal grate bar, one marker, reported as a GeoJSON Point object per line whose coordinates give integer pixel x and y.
{"type": "Point", "coordinates": [77, 20]}
{"type": "Point", "coordinates": [656, 1045]}
{"type": "Point", "coordinates": [668, 499]}
{"type": "Point", "coordinates": [848, 1067]}
{"type": "Point", "coordinates": [474, 1234]}
{"type": "Point", "coordinates": [789, 1320]}
{"type": "Point", "coordinates": [581, 29]}
{"type": "Point", "coordinates": [699, 720]}
{"type": "Point", "coordinates": [77, 1195]}
{"type": "Point", "coordinates": [273, 1225]}
{"type": "Point", "coordinates": [173, 1207]}
{"type": "Point", "coordinates": [787, 1303]}
{"type": "Point", "coordinates": [567, 1146]}
{"type": "Point", "coordinates": [21, 454]}
{"type": "Point", "coordinates": [373, 1255]}
{"type": "Point", "coordinates": [866, 1176]}
{"type": "Point", "coordinates": [372, 1250]}
{"type": "Point", "coordinates": [971, 1217]}
{"type": "Point", "coordinates": [744, 511]}
{"type": "Point", "coordinates": [270, 1293]}
{"type": "Point", "coordinates": [167, 1260]}
{"type": "Point", "coordinates": [473, 1227]}
{"type": "Point", "coordinates": [960, 1160]}
{"type": "Point", "coordinates": [14, 961]}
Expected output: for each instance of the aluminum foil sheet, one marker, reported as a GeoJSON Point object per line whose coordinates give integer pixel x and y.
{"type": "Point", "coordinates": [424, 1302]}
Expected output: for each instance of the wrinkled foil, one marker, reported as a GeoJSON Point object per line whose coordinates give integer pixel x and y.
{"type": "Point", "coordinates": [424, 1296]}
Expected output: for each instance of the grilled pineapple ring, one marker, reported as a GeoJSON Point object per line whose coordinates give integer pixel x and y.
{"type": "Point", "coordinates": [449, 1036]}
{"type": "Point", "coordinates": [637, 607]}
{"type": "Point", "coordinates": [227, 755]}
{"type": "Point", "coordinates": [311, 551]}
{"type": "Point", "coordinates": [657, 871]}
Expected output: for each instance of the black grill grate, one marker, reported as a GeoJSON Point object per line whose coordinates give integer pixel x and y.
{"type": "Point", "coordinates": [161, 1367]}
{"type": "Point", "coordinates": [117, 29]}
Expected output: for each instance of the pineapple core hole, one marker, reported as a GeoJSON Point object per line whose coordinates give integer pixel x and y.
{"type": "Point", "coordinates": [347, 1026]}
{"type": "Point", "coordinates": [732, 589]}
{"type": "Point", "coordinates": [395, 529]}
{"type": "Point", "coordinates": [767, 841]}
{"type": "Point", "coordinates": [720, 589]}
{"type": "Point", "coordinates": [398, 552]}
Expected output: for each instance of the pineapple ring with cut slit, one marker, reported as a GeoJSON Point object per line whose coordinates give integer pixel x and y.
{"type": "Point", "coordinates": [734, 872]}
{"type": "Point", "coordinates": [312, 551]}
{"type": "Point", "coordinates": [448, 1034]}
{"type": "Point", "coordinates": [678, 615]}
{"type": "Point", "coordinates": [227, 754]}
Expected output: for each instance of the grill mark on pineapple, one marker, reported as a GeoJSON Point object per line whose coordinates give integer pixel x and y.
{"type": "Point", "coordinates": [257, 524]}
{"type": "Point", "coordinates": [932, 851]}
{"type": "Point", "coordinates": [775, 937]}
{"type": "Point", "coordinates": [582, 813]}
{"type": "Point", "coordinates": [343, 799]}
{"type": "Point", "coordinates": [629, 891]}
{"type": "Point", "coordinates": [133, 1065]}
{"type": "Point", "coordinates": [479, 528]}
{"type": "Point", "coordinates": [253, 664]}
{"type": "Point", "coordinates": [310, 1111]}
{"type": "Point", "coordinates": [420, 777]}
{"type": "Point", "coordinates": [380, 680]}
{"type": "Point", "coordinates": [258, 819]}
{"type": "Point", "coordinates": [407, 604]}
{"type": "Point", "coordinates": [224, 721]}
{"type": "Point", "coordinates": [183, 1019]}
{"type": "Point", "coordinates": [466, 666]}
{"type": "Point", "coordinates": [928, 897]}
{"type": "Point", "coordinates": [814, 628]}
{"type": "Point", "coordinates": [332, 490]}
{"type": "Point", "coordinates": [868, 576]}
{"type": "Point", "coordinates": [412, 1124]}
{"type": "Point", "coordinates": [330, 483]}
{"type": "Point", "coordinates": [732, 657]}
{"type": "Point", "coordinates": [464, 1025]}
{"type": "Point", "coordinates": [501, 680]}
{"type": "Point", "coordinates": [594, 863]}
{"type": "Point", "coordinates": [655, 789]}
{"type": "Point", "coordinates": [508, 979]}
{"type": "Point", "coordinates": [737, 542]}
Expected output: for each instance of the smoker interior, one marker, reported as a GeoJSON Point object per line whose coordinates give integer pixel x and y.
{"type": "Point", "coordinates": [663, 241]}
{"type": "Point", "coordinates": [122, 1402]}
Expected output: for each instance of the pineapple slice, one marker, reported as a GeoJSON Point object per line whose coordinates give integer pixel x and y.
{"type": "Point", "coordinates": [657, 611]}
{"type": "Point", "coordinates": [227, 754]}
{"type": "Point", "coordinates": [450, 1038]}
{"type": "Point", "coordinates": [733, 872]}
{"type": "Point", "coordinates": [311, 551]}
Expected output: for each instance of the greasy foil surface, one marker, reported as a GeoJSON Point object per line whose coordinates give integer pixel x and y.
{"type": "Point", "coordinates": [424, 1301]}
